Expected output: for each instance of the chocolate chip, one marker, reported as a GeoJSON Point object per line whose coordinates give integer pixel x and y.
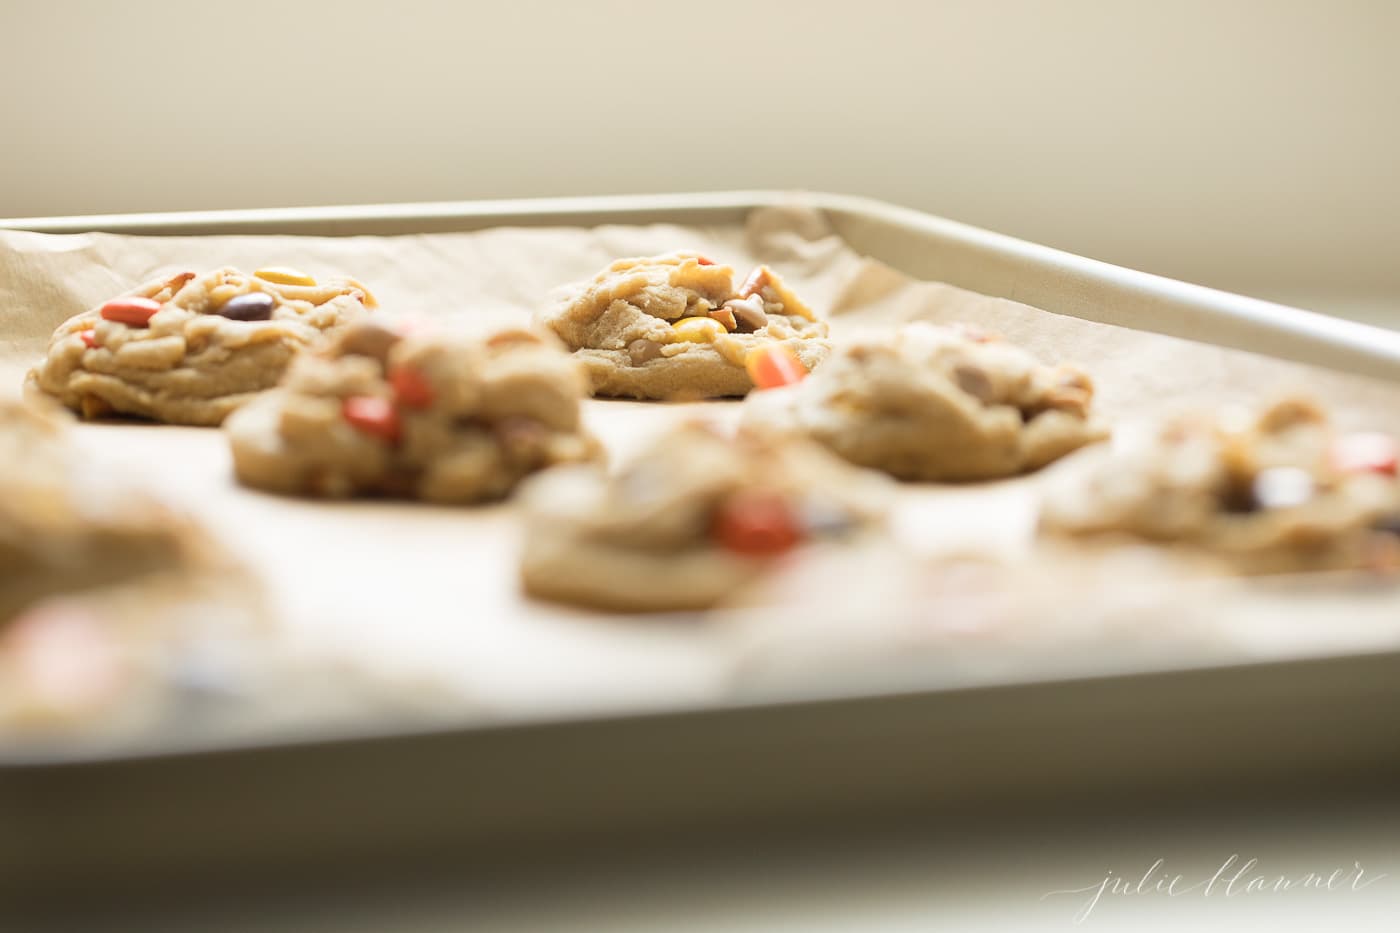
{"type": "Point", "coordinates": [643, 350]}
{"type": "Point", "coordinates": [253, 306]}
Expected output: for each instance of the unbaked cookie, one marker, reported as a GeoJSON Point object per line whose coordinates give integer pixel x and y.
{"type": "Point", "coordinates": [1275, 492]}
{"type": "Point", "coordinates": [446, 417]}
{"type": "Point", "coordinates": [677, 327]}
{"type": "Point", "coordinates": [102, 586]}
{"type": "Point", "coordinates": [691, 520]}
{"type": "Point", "coordinates": [936, 403]}
{"type": "Point", "coordinates": [189, 349]}
{"type": "Point", "coordinates": [64, 527]}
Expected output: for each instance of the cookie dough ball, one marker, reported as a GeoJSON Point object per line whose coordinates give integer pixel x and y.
{"type": "Point", "coordinates": [691, 520]}
{"type": "Point", "coordinates": [936, 404]}
{"type": "Point", "coordinates": [65, 527]}
{"type": "Point", "coordinates": [678, 327]}
{"type": "Point", "coordinates": [1275, 492]}
{"type": "Point", "coordinates": [101, 585]}
{"type": "Point", "coordinates": [445, 417]}
{"type": "Point", "coordinates": [189, 349]}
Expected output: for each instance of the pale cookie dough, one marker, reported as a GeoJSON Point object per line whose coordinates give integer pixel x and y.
{"type": "Point", "coordinates": [445, 417]}
{"type": "Point", "coordinates": [214, 343]}
{"type": "Point", "coordinates": [694, 518]}
{"type": "Point", "coordinates": [936, 403]}
{"type": "Point", "coordinates": [64, 526]}
{"type": "Point", "coordinates": [1273, 493]}
{"type": "Point", "coordinates": [102, 587]}
{"type": "Point", "coordinates": [678, 327]}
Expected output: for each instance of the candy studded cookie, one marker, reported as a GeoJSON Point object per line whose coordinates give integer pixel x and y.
{"type": "Point", "coordinates": [191, 348]}
{"type": "Point", "coordinates": [102, 587]}
{"type": "Point", "coordinates": [1276, 491]}
{"type": "Point", "coordinates": [689, 521]}
{"type": "Point", "coordinates": [452, 418]}
{"type": "Point", "coordinates": [63, 526]}
{"type": "Point", "coordinates": [678, 326]}
{"type": "Point", "coordinates": [936, 404]}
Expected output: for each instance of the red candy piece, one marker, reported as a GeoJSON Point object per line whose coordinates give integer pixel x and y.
{"type": "Point", "coordinates": [756, 523]}
{"type": "Point", "coordinates": [1365, 453]}
{"type": "Point", "coordinates": [372, 415]}
{"type": "Point", "coordinates": [89, 339]}
{"type": "Point", "coordinates": [133, 312]}
{"type": "Point", "coordinates": [774, 365]}
{"type": "Point", "coordinates": [411, 388]}
{"type": "Point", "coordinates": [704, 260]}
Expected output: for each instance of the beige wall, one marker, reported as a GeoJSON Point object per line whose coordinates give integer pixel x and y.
{"type": "Point", "coordinates": [1251, 144]}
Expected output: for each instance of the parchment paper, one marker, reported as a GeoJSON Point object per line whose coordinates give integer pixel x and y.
{"type": "Point", "coordinates": [433, 591]}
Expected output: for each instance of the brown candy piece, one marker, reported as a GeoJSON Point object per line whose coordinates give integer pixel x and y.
{"type": "Point", "coordinates": [253, 306]}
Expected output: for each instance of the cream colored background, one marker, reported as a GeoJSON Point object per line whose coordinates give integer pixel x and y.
{"type": "Point", "coordinates": [1249, 144]}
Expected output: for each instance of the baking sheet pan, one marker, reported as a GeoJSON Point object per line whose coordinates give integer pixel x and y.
{"type": "Point", "coordinates": [815, 723]}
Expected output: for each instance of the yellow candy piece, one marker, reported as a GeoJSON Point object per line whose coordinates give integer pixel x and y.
{"type": "Point", "coordinates": [284, 275]}
{"type": "Point", "coordinates": [698, 329]}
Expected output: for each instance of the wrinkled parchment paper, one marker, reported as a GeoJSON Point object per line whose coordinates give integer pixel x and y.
{"type": "Point", "coordinates": [432, 592]}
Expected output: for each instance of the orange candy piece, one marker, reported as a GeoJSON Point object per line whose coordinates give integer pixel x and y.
{"type": "Point", "coordinates": [131, 311]}
{"type": "Point", "coordinates": [372, 415]}
{"type": "Point", "coordinates": [757, 523]}
{"type": "Point", "coordinates": [774, 365]}
{"type": "Point", "coordinates": [89, 339]}
{"type": "Point", "coordinates": [758, 278]}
